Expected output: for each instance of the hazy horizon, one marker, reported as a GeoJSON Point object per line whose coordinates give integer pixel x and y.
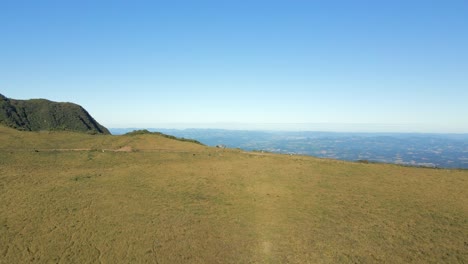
{"type": "Point", "coordinates": [319, 127]}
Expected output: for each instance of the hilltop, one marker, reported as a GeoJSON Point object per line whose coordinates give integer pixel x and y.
{"type": "Point", "coordinates": [146, 198]}
{"type": "Point", "coordinates": [42, 114]}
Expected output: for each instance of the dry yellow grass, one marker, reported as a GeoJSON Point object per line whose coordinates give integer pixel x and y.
{"type": "Point", "coordinates": [176, 202]}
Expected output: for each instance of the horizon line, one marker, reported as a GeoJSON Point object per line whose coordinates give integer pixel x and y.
{"type": "Point", "coordinates": [305, 127]}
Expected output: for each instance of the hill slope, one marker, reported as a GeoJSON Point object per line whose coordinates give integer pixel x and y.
{"type": "Point", "coordinates": [75, 198]}
{"type": "Point", "coordinates": [41, 114]}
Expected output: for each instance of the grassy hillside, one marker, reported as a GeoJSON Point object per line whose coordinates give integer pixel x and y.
{"type": "Point", "coordinates": [75, 198]}
{"type": "Point", "coordinates": [41, 114]}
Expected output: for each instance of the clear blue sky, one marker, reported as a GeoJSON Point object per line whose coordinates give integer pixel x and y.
{"type": "Point", "coordinates": [391, 65]}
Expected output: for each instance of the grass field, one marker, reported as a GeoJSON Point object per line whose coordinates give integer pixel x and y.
{"type": "Point", "coordinates": [72, 198]}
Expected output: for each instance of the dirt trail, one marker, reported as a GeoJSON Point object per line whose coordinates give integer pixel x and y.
{"type": "Point", "coordinates": [269, 217]}
{"type": "Point", "coordinates": [121, 149]}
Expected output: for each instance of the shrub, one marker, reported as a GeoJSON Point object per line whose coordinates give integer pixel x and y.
{"type": "Point", "coordinates": [146, 132]}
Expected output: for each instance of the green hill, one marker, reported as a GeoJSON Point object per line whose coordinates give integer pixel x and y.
{"type": "Point", "coordinates": [71, 197]}
{"type": "Point", "coordinates": [41, 114]}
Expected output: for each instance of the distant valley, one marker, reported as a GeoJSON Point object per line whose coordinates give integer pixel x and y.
{"type": "Point", "coordinates": [427, 150]}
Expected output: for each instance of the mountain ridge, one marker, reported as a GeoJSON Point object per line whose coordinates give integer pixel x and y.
{"type": "Point", "coordinates": [43, 114]}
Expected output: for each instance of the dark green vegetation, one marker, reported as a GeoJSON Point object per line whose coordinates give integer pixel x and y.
{"type": "Point", "coordinates": [76, 198]}
{"type": "Point", "coordinates": [146, 132]}
{"type": "Point", "coordinates": [41, 114]}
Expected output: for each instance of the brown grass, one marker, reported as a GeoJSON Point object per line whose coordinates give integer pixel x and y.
{"type": "Point", "coordinates": [167, 201]}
